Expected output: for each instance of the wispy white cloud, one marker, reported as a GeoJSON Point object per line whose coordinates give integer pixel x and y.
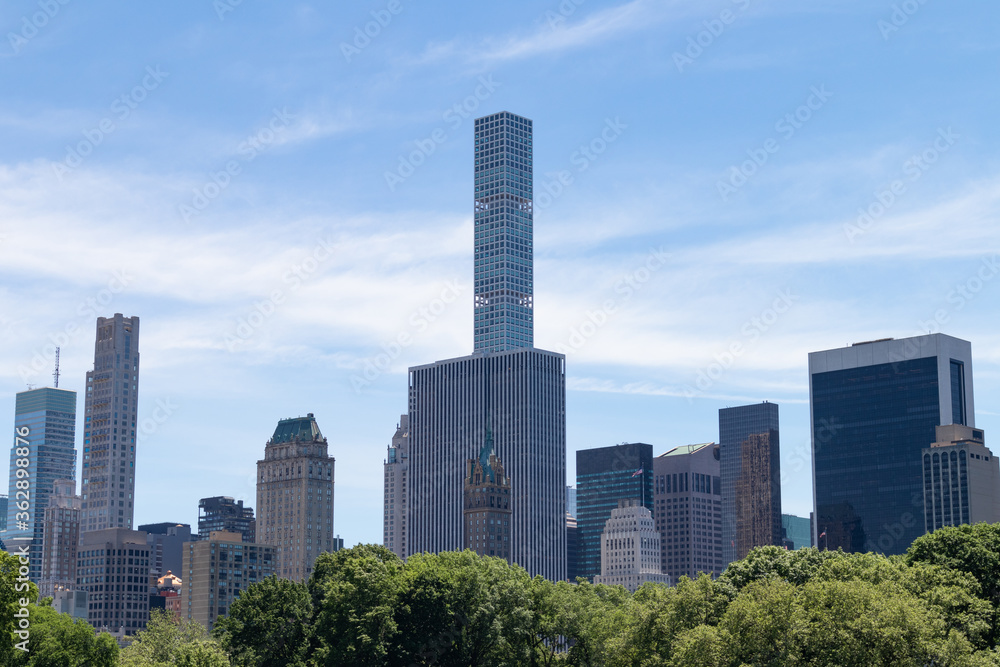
{"type": "Point", "coordinates": [555, 33]}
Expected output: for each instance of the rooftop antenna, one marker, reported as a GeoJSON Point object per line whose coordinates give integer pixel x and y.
{"type": "Point", "coordinates": [55, 374]}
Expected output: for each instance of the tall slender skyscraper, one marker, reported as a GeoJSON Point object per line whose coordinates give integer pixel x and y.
{"type": "Point", "coordinates": [108, 474]}
{"type": "Point", "coordinates": [750, 472]}
{"type": "Point", "coordinates": [47, 419]}
{"type": "Point", "coordinates": [507, 385]}
{"type": "Point", "coordinates": [504, 306]}
{"type": "Point", "coordinates": [875, 407]}
{"type": "Point", "coordinates": [396, 472]}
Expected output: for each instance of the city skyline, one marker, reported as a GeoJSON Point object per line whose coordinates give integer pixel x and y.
{"type": "Point", "coordinates": [857, 202]}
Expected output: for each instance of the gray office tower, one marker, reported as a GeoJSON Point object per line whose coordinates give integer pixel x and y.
{"type": "Point", "coordinates": [874, 410]}
{"type": "Point", "coordinates": [750, 473]}
{"type": "Point", "coordinates": [687, 491]}
{"type": "Point", "coordinates": [108, 474]}
{"type": "Point", "coordinates": [605, 476]}
{"type": "Point", "coordinates": [43, 451]}
{"type": "Point", "coordinates": [508, 386]}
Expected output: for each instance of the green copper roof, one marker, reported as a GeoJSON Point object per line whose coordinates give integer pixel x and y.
{"type": "Point", "coordinates": [300, 428]}
{"type": "Point", "coordinates": [687, 449]}
{"type": "Point", "coordinates": [484, 455]}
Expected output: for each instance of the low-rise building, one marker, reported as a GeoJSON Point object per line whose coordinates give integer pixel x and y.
{"type": "Point", "coordinates": [630, 548]}
{"type": "Point", "coordinates": [961, 479]}
{"type": "Point", "coordinates": [217, 570]}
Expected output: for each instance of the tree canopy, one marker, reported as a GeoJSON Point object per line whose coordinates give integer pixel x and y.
{"type": "Point", "coordinates": [936, 605]}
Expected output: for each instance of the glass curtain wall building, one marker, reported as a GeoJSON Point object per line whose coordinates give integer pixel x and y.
{"type": "Point", "coordinates": [874, 408]}
{"type": "Point", "coordinates": [47, 416]}
{"type": "Point", "coordinates": [604, 476]}
{"type": "Point", "coordinates": [504, 305]}
{"type": "Point", "coordinates": [750, 471]}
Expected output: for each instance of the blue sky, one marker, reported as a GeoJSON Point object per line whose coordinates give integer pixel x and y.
{"type": "Point", "coordinates": [220, 170]}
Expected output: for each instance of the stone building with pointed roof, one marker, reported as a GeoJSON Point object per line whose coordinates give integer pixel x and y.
{"type": "Point", "coordinates": [295, 496]}
{"type": "Point", "coordinates": [487, 511]}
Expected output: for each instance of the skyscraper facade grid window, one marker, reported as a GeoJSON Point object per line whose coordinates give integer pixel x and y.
{"type": "Point", "coordinates": [875, 407]}
{"type": "Point", "coordinates": [504, 216]}
{"type": "Point", "coordinates": [110, 412]}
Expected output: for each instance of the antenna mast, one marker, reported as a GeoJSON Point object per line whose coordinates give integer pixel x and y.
{"type": "Point", "coordinates": [55, 374]}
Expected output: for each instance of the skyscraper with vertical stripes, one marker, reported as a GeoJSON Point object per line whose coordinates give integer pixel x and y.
{"type": "Point", "coordinates": [506, 386]}
{"type": "Point", "coordinates": [108, 473]}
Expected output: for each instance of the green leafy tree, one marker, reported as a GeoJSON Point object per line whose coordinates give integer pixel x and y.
{"type": "Point", "coordinates": [766, 622]}
{"type": "Point", "coordinates": [165, 641]}
{"type": "Point", "coordinates": [12, 594]}
{"type": "Point", "coordinates": [702, 646]}
{"type": "Point", "coordinates": [268, 625]}
{"type": "Point", "coordinates": [794, 566]}
{"type": "Point", "coordinates": [972, 549]}
{"type": "Point", "coordinates": [858, 623]}
{"type": "Point", "coordinates": [57, 640]}
{"type": "Point", "coordinates": [354, 594]}
{"type": "Point", "coordinates": [457, 608]}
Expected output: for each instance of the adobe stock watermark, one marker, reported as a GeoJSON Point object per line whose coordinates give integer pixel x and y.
{"type": "Point", "coordinates": [555, 184]}
{"type": "Point", "coordinates": [263, 310]}
{"type": "Point", "coordinates": [87, 311]}
{"type": "Point", "coordinates": [786, 127]}
{"type": "Point", "coordinates": [420, 320]}
{"type": "Point", "coordinates": [900, 16]}
{"type": "Point", "coordinates": [556, 19]}
{"type": "Point", "coordinates": [801, 459]}
{"type": "Point", "coordinates": [750, 333]}
{"type": "Point", "coordinates": [248, 150]}
{"type": "Point", "coordinates": [409, 162]}
{"type": "Point", "coordinates": [625, 288]}
{"type": "Point", "coordinates": [33, 23]}
{"type": "Point", "coordinates": [962, 294]}
{"type": "Point", "coordinates": [121, 108]}
{"type": "Point", "coordinates": [223, 7]}
{"type": "Point", "coordinates": [913, 170]}
{"type": "Point", "coordinates": [363, 35]}
{"type": "Point", "coordinates": [697, 43]}
{"type": "Point", "coordinates": [160, 415]}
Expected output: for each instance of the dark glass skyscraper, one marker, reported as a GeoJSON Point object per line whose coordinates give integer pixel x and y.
{"type": "Point", "coordinates": [504, 305]}
{"type": "Point", "coordinates": [750, 472]}
{"type": "Point", "coordinates": [604, 476]}
{"type": "Point", "coordinates": [874, 408]}
{"type": "Point", "coordinates": [47, 417]}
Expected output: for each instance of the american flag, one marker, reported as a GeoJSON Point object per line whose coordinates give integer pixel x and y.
{"type": "Point", "coordinates": [637, 472]}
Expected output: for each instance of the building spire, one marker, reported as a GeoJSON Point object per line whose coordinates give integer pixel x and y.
{"type": "Point", "coordinates": [484, 455]}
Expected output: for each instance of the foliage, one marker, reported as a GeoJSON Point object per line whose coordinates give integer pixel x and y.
{"type": "Point", "coordinates": [58, 640]}
{"type": "Point", "coordinates": [12, 594]}
{"type": "Point", "coordinates": [166, 642]}
{"type": "Point", "coordinates": [267, 625]}
{"type": "Point", "coordinates": [936, 605]}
